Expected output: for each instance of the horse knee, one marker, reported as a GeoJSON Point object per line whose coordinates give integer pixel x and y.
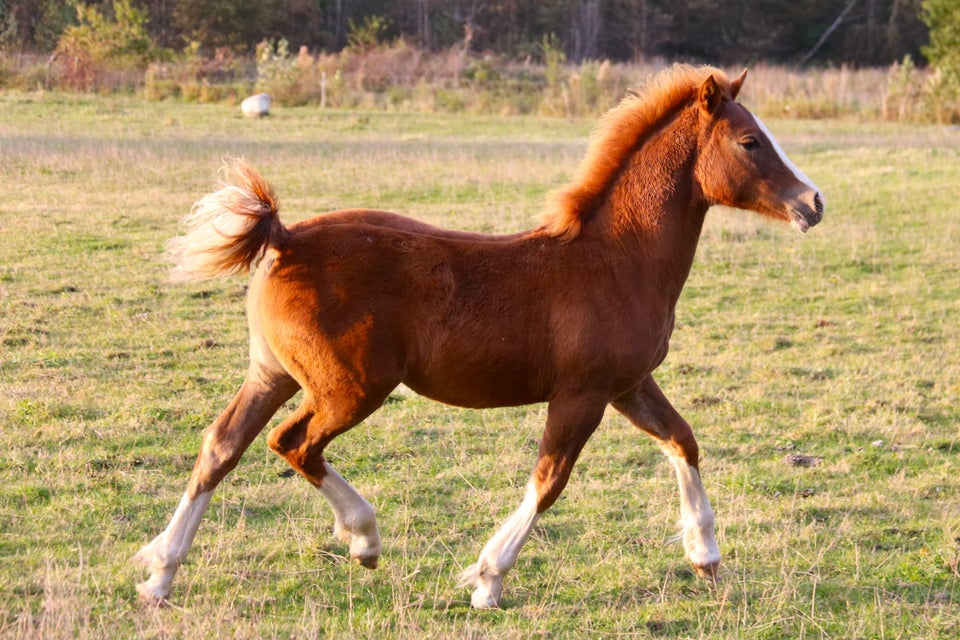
{"type": "Point", "coordinates": [683, 444]}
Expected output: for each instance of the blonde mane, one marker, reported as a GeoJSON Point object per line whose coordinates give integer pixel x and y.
{"type": "Point", "coordinates": [620, 132]}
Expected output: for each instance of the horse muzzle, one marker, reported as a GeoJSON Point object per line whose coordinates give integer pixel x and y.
{"type": "Point", "coordinates": [808, 212]}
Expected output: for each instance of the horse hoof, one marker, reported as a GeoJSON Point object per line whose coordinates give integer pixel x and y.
{"type": "Point", "coordinates": [150, 598]}
{"type": "Point", "coordinates": [365, 550]}
{"type": "Point", "coordinates": [709, 571]}
{"type": "Point", "coordinates": [369, 562]}
{"type": "Point", "coordinates": [483, 599]}
{"type": "Point", "coordinates": [486, 595]}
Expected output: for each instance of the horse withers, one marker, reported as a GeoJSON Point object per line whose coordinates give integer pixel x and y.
{"type": "Point", "coordinates": [576, 313]}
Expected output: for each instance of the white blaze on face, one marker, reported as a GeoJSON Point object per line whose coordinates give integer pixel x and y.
{"type": "Point", "coordinates": [799, 222]}
{"type": "Point", "coordinates": [783, 157]}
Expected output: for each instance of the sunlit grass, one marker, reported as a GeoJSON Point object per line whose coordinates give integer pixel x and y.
{"type": "Point", "coordinates": [839, 345]}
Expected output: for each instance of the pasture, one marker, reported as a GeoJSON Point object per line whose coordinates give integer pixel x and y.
{"type": "Point", "coordinates": [821, 375]}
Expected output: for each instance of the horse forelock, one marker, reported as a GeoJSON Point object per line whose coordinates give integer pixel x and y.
{"type": "Point", "coordinates": [620, 132]}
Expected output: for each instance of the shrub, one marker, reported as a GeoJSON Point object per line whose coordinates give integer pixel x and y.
{"type": "Point", "coordinates": [899, 102]}
{"type": "Point", "coordinates": [943, 52]}
{"type": "Point", "coordinates": [96, 48]}
{"type": "Point", "coordinates": [277, 73]}
{"type": "Point", "coordinates": [943, 95]}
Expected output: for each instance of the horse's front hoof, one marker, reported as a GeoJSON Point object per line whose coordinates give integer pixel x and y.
{"type": "Point", "coordinates": [149, 596]}
{"type": "Point", "coordinates": [486, 595]}
{"type": "Point", "coordinates": [483, 599]}
{"type": "Point", "coordinates": [365, 550]}
{"type": "Point", "coordinates": [709, 571]}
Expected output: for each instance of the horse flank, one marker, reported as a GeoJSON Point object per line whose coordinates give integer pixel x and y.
{"type": "Point", "coordinates": [228, 230]}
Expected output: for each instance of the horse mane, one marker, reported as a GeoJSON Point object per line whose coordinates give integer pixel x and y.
{"type": "Point", "coordinates": [618, 134]}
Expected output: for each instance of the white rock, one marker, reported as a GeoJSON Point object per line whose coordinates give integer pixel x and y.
{"type": "Point", "coordinates": [256, 105]}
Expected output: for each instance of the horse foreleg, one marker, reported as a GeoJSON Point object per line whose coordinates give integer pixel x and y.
{"type": "Point", "coordinates": [223, 445]}
{"type": "Point", "coordinates": [500, 553]}
{"type": "Point", "coordinates": [647, 408]}
{"type": "Point", "coordinates": [569, 424]}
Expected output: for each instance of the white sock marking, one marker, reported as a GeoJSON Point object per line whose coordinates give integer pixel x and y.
{"type": "Point", "coordinates": [499, 555]}
{"type": "Point", "coordinates": [504, 546]}
{"type": "Point", "coordinates": [164, 554]}
{"type": "Point", "coordinates": [354, 518]}
{"type": "Point", "coordinates": [696, 516]}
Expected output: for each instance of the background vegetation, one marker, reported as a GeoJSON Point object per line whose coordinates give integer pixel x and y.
{"type": "Point", "coordinates": [820, 373]}
{"type": "Point", "coordinates": [570, 58]}
{"type": "Point", "coordinates": [858, 32]}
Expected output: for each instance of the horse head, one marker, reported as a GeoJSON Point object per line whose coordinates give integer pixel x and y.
{"type": "Point", "coordinates": [741, 165]}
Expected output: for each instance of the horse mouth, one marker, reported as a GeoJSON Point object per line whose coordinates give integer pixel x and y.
{"type": "Point", "coordinates": [804, 217]}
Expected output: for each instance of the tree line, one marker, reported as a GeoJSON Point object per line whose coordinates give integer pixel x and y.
{"type": "Point", "coordinates": [821, 32]}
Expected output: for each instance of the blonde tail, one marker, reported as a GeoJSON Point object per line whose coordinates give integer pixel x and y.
{"type": "Point", "coordinates": [229, 230]}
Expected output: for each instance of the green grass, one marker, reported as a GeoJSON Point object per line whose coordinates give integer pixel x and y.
{"type": "Point", "coordinates": [841, 345]}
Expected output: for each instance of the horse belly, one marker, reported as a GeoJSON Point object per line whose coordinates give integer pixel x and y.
{"type": "Point", "coordinates": [478, 383]}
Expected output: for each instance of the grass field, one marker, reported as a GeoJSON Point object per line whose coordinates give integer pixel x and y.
{"type": "Point", "coordinates": [837, 350]}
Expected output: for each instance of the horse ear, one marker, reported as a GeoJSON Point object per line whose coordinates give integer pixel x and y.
{"type": "Point", "coordinates": [737, 84]}
{"type": "Point", "coordinates": [710, 95]}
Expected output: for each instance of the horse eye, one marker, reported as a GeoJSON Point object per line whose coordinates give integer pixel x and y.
{"type": "Point", "coordinates": [750, 143]}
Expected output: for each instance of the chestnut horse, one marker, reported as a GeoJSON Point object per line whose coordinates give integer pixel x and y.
{"type": "Point", "coordinates": [576, 313]}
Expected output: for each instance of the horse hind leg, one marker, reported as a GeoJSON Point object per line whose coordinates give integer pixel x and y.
{"type": "Point", "coordinates": [355, 521]}
{"type": "Point", "coordinates": [261, 395]}
{"type": "Point", "coordinates": [301, 439]}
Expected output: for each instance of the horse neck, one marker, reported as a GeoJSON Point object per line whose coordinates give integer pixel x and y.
{"type": "Point", "coordinates": [655, 209]}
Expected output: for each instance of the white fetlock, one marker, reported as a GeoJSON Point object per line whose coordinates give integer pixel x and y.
{"type": "Point", "coordinates": [156, 588]}
{"type": "Point", "coordinates": [153, 594]}
{"type": "Point", "coordinates": [365, 550]}
{"type": "Point", "coordinates": [702, 551]}
{"type": "Point", "coordinates": [147, 552]}
{"type": "Point", "coordinates": [163, 554]}
{"type": "Point", "coordinates": [354, 520]}
{"type": "Point", "coordinates": [488, 587]}
{"type": "Point", "coordinates": [499, 555]}
{"type": "Point", "coordinates": [697, 520]}
{"type": "Point", "coordinates": [488, 595]}
{"type": "Point", "coordinates": [364, 547]}
{"type": "Point", "coordinates": [341, 533]}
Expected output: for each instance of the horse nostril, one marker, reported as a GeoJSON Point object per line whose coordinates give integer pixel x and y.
{"type": "Point", "coordinates": [818, 203]}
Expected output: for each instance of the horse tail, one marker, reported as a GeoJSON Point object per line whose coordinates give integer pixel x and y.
{"type": "Point", "coordinates": [229, 230]}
